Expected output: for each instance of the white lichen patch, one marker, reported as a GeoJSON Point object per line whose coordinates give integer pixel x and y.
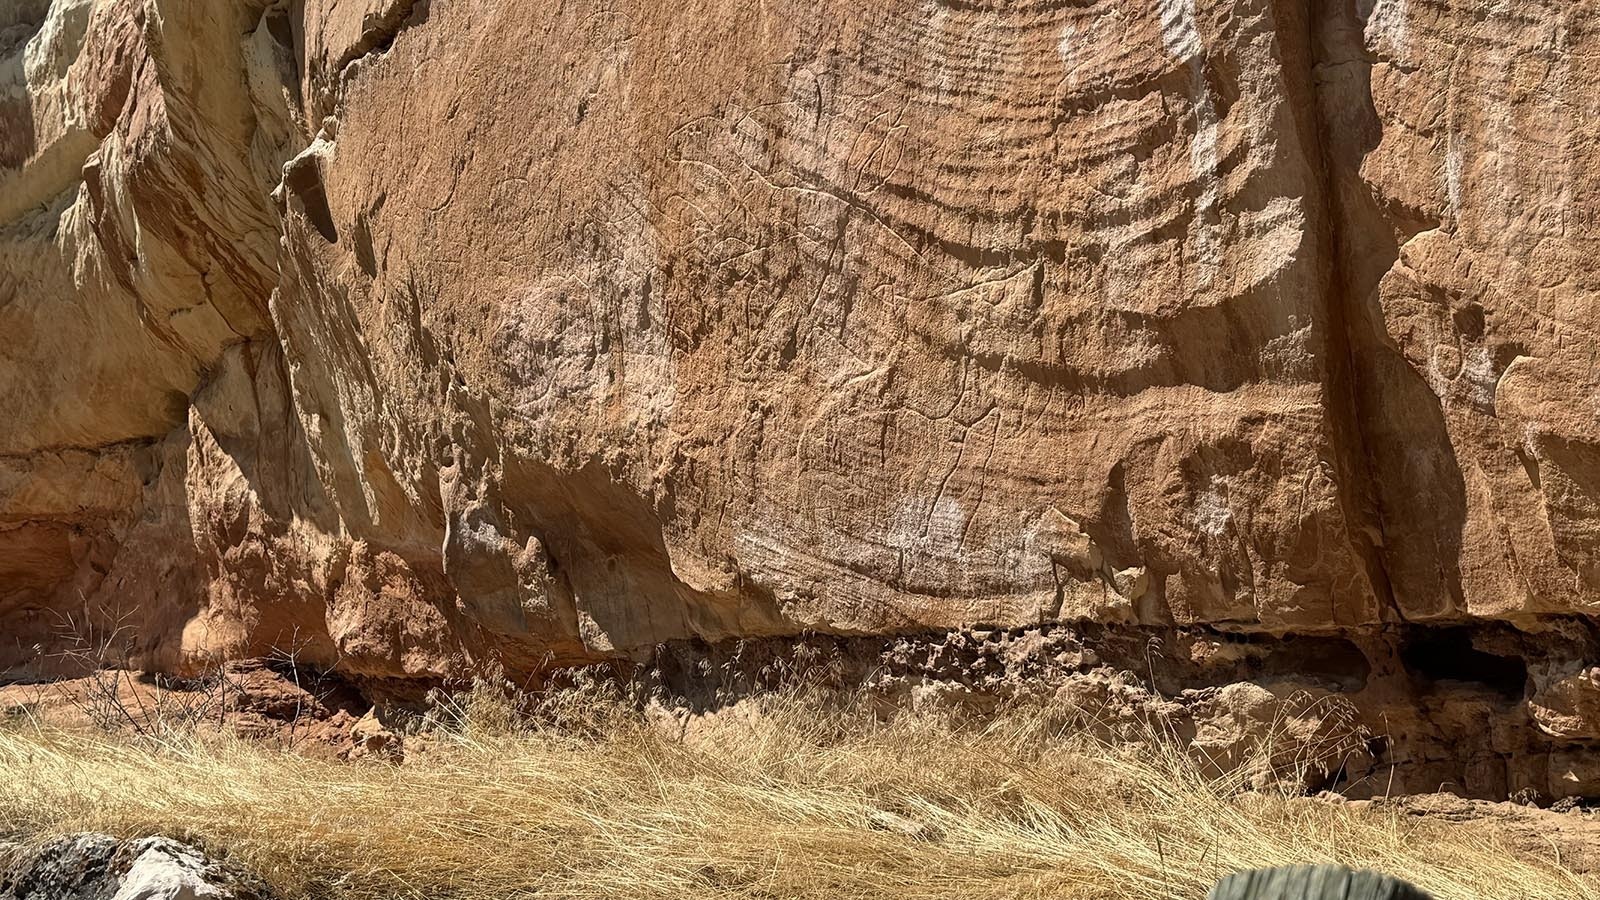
{"type": "Point", "coordinates": [1205, 246]}
{"type": "Point", "coordinates": [1064, 46]}
{"type": "Point", "coordinates": [1463, 374]}
{"type": "Point", "coordinates": [1478, 376]}
{"type": "Point", "coordinates": [1181, 36]}
{"type": "Point", "coordinates": [1178, 29]}
{"type": "Point", "coordinates": [1452, 171]}
{"type": "Point", "coordinates": [930, 526]}
{"type": "Point", "coordinates": [1212, 515]}
{"type": "Point", "coordinates": [1389, 26]}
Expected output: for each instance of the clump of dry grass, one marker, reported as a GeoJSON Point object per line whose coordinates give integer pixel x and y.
{"type": "Point", "coordinates": [781, 797]}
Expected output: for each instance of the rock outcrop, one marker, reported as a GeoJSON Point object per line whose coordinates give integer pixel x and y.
{"type": "Point", "coordinates": [100, 867]}
{"type": "Point", "coordinates": [425, 336]}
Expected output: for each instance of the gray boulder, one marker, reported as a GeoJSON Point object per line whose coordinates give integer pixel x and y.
{"type": "Point", "coordinates": [101, 867]}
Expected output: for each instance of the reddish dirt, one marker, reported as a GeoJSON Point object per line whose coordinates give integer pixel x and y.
{"type": "Point", "coordinates": [256, 699]}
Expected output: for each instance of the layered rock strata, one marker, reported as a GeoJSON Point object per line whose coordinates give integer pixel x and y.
{"type": "Point", "coordinates": [420, 337]}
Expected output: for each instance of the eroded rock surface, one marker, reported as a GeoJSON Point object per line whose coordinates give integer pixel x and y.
{"type": "Point", "coordinates": [415, 337]}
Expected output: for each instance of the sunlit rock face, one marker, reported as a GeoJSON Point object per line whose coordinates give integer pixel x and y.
{"type": "Point", "coordinates": [420, 337]}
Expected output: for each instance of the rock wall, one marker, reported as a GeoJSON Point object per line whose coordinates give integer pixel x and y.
{"type": "Point", "coordinates": [419, 336]}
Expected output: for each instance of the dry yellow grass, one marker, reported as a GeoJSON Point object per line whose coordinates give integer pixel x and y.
{"type": "Point", "coordinates": [792, 802]}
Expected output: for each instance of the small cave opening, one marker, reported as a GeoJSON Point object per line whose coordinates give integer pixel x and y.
{"type": "Point", "coordinates": [1336, 662]}
{"type": "Point", "coordinates": [1436, 655]}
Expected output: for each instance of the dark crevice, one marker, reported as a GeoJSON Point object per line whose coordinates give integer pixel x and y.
{"type": "Point", "coordinates": [1440, 657]}
{"type": "Point", "coordinates": [378, 32]}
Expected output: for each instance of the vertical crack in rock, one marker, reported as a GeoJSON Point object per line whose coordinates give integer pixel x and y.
{"type": "Point", "coordinates": [1330, 121]}
{"type": "Point", "coordinates": [376, 31]}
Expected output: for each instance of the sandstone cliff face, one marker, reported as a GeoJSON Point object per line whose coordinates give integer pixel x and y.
{"type": "Point", "coordinates": [421, 336]}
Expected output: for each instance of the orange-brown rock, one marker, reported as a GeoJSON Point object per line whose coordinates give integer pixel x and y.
{"type": "Point", "coordinates": [423, 336]}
